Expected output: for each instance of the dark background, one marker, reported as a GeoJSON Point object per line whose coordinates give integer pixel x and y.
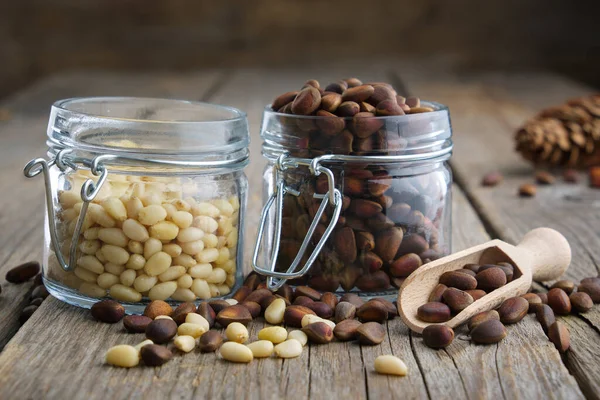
{"type": "Point", "coordinates": [40, 37]}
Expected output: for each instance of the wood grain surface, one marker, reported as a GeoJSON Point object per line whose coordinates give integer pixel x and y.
{"type": "Point", "coordinates": [59, 352]}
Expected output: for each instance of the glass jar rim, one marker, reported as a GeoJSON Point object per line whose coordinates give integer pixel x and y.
{"type": "Point", "coordinates": [401, 138]}
{"type": "Point", "coordinates": [144, 127]}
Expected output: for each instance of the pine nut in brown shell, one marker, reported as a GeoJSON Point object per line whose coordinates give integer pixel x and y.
{"type": "Point", "coordinates": [566, 285]}
{"type": "Point", "coordinates": [559, 335]}
{"type": "Point", "coordinates": [309, 292]}
{"type": "Point", "coordinates": [283, 99]}
{"type": "Point", "coordinates": [592, 289]}
{"type": "Point", "coordinates": [390, 307]}
{"type": "Point", "coordinates": [156, 308]}
{"type": "Point", "coordinates": [293, 315]}
{"type": "Point", "coordinates": [545, 316]}
{"type": "Point", "coordinates": [218, 305]}
{"type": "Point", "coordinates": [434, 312]}
{"type": "Point", "coordinates": [559, 301]}
{"type": "Point", "coordinates": [136, 323]}
{"type": "Point", "coordinates": [210, 341]}
{"type": "Point", "coordinates": [307, 101]}
{"type": "Point", "coordinates": [318, 332]}
{"type": "Point", "coordinates": [458, 280]}
{"type": "Point", "coordinates": [513, 310]}
{"type": "Point", "coordinates": [302, 301]}
{"type": "Point", "coordinates": [532, 299]}
{"type": "Point", "coordinates": [457, 299]}
{"type": "Point", "coordinates": [488, 332]}
{"type": "Point", "coordinates": [252, 280]}
{"type": "Point", "coordinates": [476, 294]}
{"type": "Point", "coordinates": [108, 311]}
{"type": "Point", "coordinates": [330, 102]}
{"type": "Point", "coordinates": [258, 295]}
{"type": "Point", "coordinates": [405, 265]}
{"type": "Point", "coordinates": [241, 294]}
{"type": "Point", "coordinates": [370, 333]}
{"type": "Point", "coordinates": [372, 311]}
{"type": "Point", "coordinates": [286, 292]}
{"type": "Point", "coordinates": [481, 317]}
{"type": "Point", "coordinates": [490, 279]}
{"type": "Point", "coordinates": [236, 313]}
{"type": "Point", "coordinates": [581, 302]}
{"type": "Point", "coordinates": [466, 271]}
{"type": "Point", "coordinates": [207, 312]}
{"type": "Point", "coordinates": [543, 297]}
{"type": "Point", "coordinates": [353, 298]}
{"type": "Point", "coordinates": [344, 311]}
{"type": "Point", "coordinates": [161, 330]}
{"type": "Point", "coordinates": [23, 272]}
{"type": "Point", "coordinates": [154, 355]}
{"type": "Point", "coordinates": [348, 109]}
{"type": "Point", "coordinates": [472, 267]}
{"type": "Point", "coordinates": [321, 309]}
{"type": "Point", "coordinates": [437, 336]}
{"type": "Point", "coordinates": [358, 93]}
{"type": "Point", "coordinates": [437, 293]}
{"type": "Point", "coordinates": [346, 330]}
{"type": "Point", "coordinates": [182, 311]}
{"type": "Point", "coordinates": [254, 308]}
{"type": "Point", "coordinates": [330, 299]}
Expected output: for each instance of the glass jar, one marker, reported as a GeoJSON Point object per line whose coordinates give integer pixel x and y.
{"type": "Point", "coordinates": [145, 200]}
{"type": "Point", "coordinates": [354, 204]}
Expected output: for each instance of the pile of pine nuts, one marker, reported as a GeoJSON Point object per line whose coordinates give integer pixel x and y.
{"type": "Point", "coordinates": [142, 238]}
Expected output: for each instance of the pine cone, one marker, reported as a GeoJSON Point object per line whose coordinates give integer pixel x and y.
{"type": "Point", "coordinates": [567, 135]}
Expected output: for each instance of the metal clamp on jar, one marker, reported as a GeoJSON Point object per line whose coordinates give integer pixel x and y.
{"type": "Point", "coordinates": [354, 209]}
{"type": "Point", "coordinates": [145, 200]}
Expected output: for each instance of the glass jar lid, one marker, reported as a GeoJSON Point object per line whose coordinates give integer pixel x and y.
{"type": "Point", "coordinates": [176, 132]}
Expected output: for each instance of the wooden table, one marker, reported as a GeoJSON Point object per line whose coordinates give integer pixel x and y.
{"type": "Point", "coordinates": [59, 352]}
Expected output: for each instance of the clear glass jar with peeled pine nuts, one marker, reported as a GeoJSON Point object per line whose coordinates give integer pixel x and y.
{"type": "Point", "coordinates": [145, 200]}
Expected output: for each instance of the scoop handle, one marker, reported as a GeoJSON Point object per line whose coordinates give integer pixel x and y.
{"type": "Point", "coordinates": [549, 252]}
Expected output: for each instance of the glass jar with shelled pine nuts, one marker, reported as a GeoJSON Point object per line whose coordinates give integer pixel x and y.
{"type": "Point", "coordinates": [145, 200]}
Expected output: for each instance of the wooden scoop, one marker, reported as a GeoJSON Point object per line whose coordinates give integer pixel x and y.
{"type": "Point", "coordinates": [543, 254]}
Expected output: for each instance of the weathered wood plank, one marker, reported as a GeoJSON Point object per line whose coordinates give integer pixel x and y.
{"type": "Point", "coordinates": [486, 110]}
{"type": "Point", "coordinates": [24, 137]}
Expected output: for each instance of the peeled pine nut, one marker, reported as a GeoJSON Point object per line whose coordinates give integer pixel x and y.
{"type": "Point", "coordinates": [106, 280]}
{"type": "Point", "coordinates": [390, 365]}
{"type": "Point", "coordinates": [182, 294]}
{"type": "Point", "coordinates": [210, 241]}
{"type": "Point", "coordinates": [172, 273]}
{"type": "Point", "coordinates": [163, 317]}
{"type": "Point", "coordinates": [162, 291]}
{"type": "Point", "coordinates": [124, 293]}
{"type": "Point", "coordinates": [68, 199]}
{"type": "Point", "coordinates": [274, 334]}
{"type": "Point", "coordinates": [223, 206]}
{"type": "Point", "coordinates": [128, 277]}
{"type": "Point", "coordinates": [201, 289]}
{"type": "Point", "coordinates": [89, 247]}
{"type": "Point", "coordinates": [100, 216]}
{"type": "Point", "coordinates": [185, 260]}
{"type": "Point", "coordinates": [185, 282]}
{"type": "Point", "coordinates": [192, 248]}
{"type": "Point", "coordinates": [85, 275]}
{"type": "Point", "coordinates": [183, 219]}
{"type": "Point", "coordinates": [217, 275]}
{"type": "Point", "coordinates": [205, 223]}
{"type": "Point", "coordinates": [274, 312]}
{"type": "Point", "coordinates": [91, 263]}
{"type": "Point", "coordinates": [133, 206]}
{"type": "Point", "coordinates": [151, 247]}
{"type": "Point", "coordinates": [92, 290]}
{"type": "Point", "coordinates": [232, 302]}
{"type": "Point", "coordinates": [136, 262]}
{"type": "Point", "coordinates": [135, 247]}
{"type": "Point", "coordinates": [193, 318]}
{"type": "Point", "coordinates": [236, 352]}
{"type": "Point", "coordinates": [172, 249]}
{"type": "Point", "coordinates": [185, 343]}
{"type": "Point", "coordinates": [115, 208]}
{"type": "Point", "coordinates": [122, 355]}
{"type": "Point", "coordinates": [291, 348]}
{"type": "Point", "coordinates": [261, 348]}
{"type": "Point", "coordinates": [207, 255]}
{"type": "Point", "coordinates": [236, 332]}
{"type": "Point", "coordinates": [115, 254]}
{"type": "Point", "coordinates": [114, 236]}
{"type": "Point", "coordinates": [299, 336]}
{"type": "Point", "coordinates": [205, 209]}
{"type": "Point", "coordinates": [135, 231]}
{"type": "Point", "coordinates": [201, 271]}
{"type": "Point", "coordinates": [158, 263]}
{"type": "Point", "coordinates": [190, 234]}
{"type": "Point", "coordinates": [164, 230]}
{"type": "Point", "coordinates": [151, 214]}
{"type": "Point", "coordinates": [192, 330]}
{"type": "Point", "coordinates": [144, 283]}
{"type": "Point", "coordinates": [114, 268]}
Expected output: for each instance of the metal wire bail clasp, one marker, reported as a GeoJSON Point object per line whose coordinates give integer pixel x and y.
{"type": "Point", "coordinates": [89, 190]}
{"type": "Point", "coordinates": [276, 279]}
